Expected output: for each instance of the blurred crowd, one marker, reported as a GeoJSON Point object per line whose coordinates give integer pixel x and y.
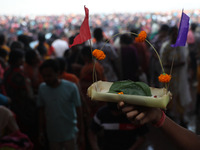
{"type": "Point", "coordinates": [35, 59]}
{"type": "Point", "coordinates": [69, 24]}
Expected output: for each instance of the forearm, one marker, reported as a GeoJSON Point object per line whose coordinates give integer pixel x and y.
{"type": "Point", "coordinates": [183, 138]}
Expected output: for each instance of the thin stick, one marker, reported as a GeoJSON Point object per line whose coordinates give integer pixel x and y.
{"type": "Point", "coordinates": [171, 69]}
{"type": "Point", "coordinates": [94, 62]}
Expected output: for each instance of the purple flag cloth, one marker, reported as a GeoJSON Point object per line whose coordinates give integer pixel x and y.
{"type": "Point", "coordinates": [183, 31]}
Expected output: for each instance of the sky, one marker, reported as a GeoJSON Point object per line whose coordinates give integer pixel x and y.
{"type": "Point", "coordinates": [58, 7]}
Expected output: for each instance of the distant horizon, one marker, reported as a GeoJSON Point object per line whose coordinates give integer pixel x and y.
{"type": "Point", "coordinates": [65, 7]}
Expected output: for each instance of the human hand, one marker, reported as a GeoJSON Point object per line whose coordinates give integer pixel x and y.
{"type": "Point", "coordinates": [140, 115]}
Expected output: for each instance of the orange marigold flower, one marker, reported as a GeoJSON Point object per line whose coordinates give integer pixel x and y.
{"type": "Point", "coordinates": [120, 93]}
{"type": "Point", "coordinates": [141, 36]}
{"type": "Point", "coordinates": [164, 78]}
{"type": "Point", "coordinates": [99, 54]}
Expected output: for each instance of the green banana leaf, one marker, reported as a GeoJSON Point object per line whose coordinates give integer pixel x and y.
{"type": "Point", "coordinates": [130, 87]}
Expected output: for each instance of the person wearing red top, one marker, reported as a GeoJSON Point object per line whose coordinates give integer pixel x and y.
{"type": "Point", "coordinates": [65, 75]}
{"type": "Point", "coordinates": [86, 78]}
{"type": "Point", "coordinates": [19, 89]}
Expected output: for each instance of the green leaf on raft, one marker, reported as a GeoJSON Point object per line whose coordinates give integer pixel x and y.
{"type": "Point", "coordinates": [130, 87]}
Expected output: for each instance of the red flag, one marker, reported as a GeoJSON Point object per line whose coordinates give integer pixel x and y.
{"type": "Point", "coordinates": [84, 34]}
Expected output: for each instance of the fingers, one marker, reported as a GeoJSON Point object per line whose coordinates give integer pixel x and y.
{"type": "Point", "coordinates": [121, 104]}
{"type": "Point", "coordinates": [135, 114]}
{"type": "Point", "coordinates": [132, 114]}
{"type": "Point", "coordinates": [127, 109]}
{"type": "Point", "coordinates": [136, 117]}
{"type": "Point", "coordinates": [140, 116]}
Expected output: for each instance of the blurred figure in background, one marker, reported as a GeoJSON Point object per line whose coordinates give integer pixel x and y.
{"type": "Point", "coordinates": [60, 46]}
{"type": "Point", "coordinates": [31, 69]}
{"type": "Point", "coordinates": [73, 58]}
{"type": "Point", "coordinates": [25, 39]}
{"type": "Point", "coordinates": [179, 85]}
{"type": "Point", "coordinates": [18, 88]}
{"type": "Point", "coordinates": [192, 46]}
{"type": "Point", "coordinates": [87, 77]}
{"type": "Point", "coordinates": [143, 57]}
{"type": "Point", "coordinates": [118, 133]}
{"type": "Point", "coordinates": [16, 45]}
{"type": "Point", "coordinates": [3, 42]}
{"type": "Point", "coordinates": [128, 58]}
{"type": "Point", "coordinates": [155, 68]}
{"type": "Point", "coordinates": [10, 135]}
{"type": "Point", "coordinates": [63, 72]}
{"type": "Point", "coordinates": [111, 70]}
{"type": "Point", "coordinates": [42, 47]}
{"type": "Point", "coordinates": [60, 113]}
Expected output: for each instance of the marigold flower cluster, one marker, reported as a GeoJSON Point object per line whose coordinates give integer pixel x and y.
{"type": "Point", "coordinates": [141, 36]}
{"type": "Point", "coordinates": [164, 78]}
{"type": "Point", "coordinates": [120, 93]}
{"type": "Point", "coordinates": [99, 54]}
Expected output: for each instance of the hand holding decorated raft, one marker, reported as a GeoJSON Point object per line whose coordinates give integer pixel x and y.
{"type": "Point", "coordinates": [159, 97]}
{"type": "Point", "coordinates": [102, 90]}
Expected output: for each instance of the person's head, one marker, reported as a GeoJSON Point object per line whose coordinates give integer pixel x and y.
{"type": "Point", "coordinates": [3, 53]}
{"type": "Point", "coordinates": [3, 57]}
{"type": "Point", "coordinates": [41, 37]}
{"type": "Point", "coordinates": [54, 36]}
{"type": "Point", "coordinates": [193, 26]}
{"type": "Point", "coordinates": [2, 39]}
{"type": "Point", "coordinates": [173, 33]}
{"type": "Point", "coordinates": [126, 39]}
{"type": "Point", "coordinates": [31, 57]}
{"type": "Point", "coordinates": [98, 34]}
{"type": "Point", "coordinates": [71, 39]}
{"type": "Point", "coordinates": [134, 30]}
{"type": "Point", "coordinates": [49, 70]}
{"type": "Point", "coordinates": [16, 45]}
{"type": "Point", "coordinates": [163, 31]}
{"type": "Point", "coordinates": [25, 39]}
{"type": "Point", "coordinates": [16, 58]}
{"type": "Point", "coordinates": [42, 50]}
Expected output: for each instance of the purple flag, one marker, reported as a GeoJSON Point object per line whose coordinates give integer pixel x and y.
{"type": "Point", "coordinates": [183, 31]}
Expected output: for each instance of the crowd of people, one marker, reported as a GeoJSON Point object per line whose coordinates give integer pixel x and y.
{"type": "Point", "coordinates": [43, 82]}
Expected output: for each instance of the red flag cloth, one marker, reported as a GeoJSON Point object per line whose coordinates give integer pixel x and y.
{"type": "Point", "coordinates": [84, 34]}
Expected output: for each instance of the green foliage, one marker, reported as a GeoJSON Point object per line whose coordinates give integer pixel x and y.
{"type": "Point", "coordinates": [131, 88]}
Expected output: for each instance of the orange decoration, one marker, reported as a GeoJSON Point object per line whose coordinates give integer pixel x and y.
{"type": "Point", "coordinates": [120, 93]}
{"type": "Point", "coordinates": [141, 36]}
{"type": "Point", "coordinates": [99, 54]}
{"type": "Point", "coordinates": [164, 78]}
